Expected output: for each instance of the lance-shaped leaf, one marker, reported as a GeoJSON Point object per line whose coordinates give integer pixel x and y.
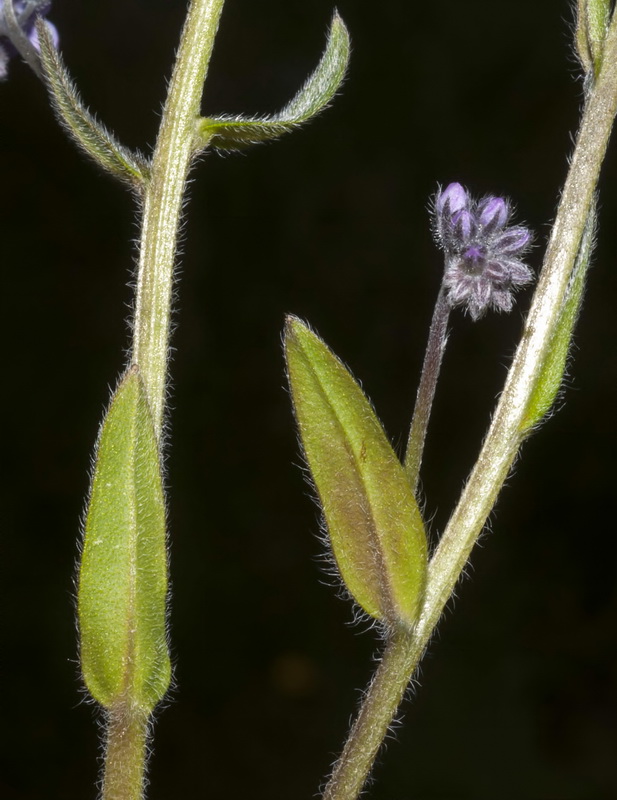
{"type": "Point", "coordinates": [554, 367]}
{"type": "Point", "coordinates": [233, 133]}
{"type": "Point", "coordinates": [92, 137]}
{"type": "Point", "coordinates": [591, 28]}
{"type": "Point", "coordinates": [373, 520]}
{"type": "Point", "coordinates": [122, 593]}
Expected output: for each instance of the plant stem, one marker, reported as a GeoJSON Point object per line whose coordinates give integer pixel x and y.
{"type": "Point", "coordinates": [382, 698]}
{"type": "Point", "coordinates": [507, 428]}
{"type": "Point", "coordinates": [505, 433]}
{"type": "Point", "coordinates": [163, 201]}
{"type": "Point", "coordinates": [433, 357]}
{"type": "Point", "coordinates": [127, 725]}
{"type": "Point", "coordinates": [125, 753]}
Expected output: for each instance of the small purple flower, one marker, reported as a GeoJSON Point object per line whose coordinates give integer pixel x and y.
{"type": "Point", "coordinates": [483, 265]}
{"type": "Point", "coordinates": [26, 13]}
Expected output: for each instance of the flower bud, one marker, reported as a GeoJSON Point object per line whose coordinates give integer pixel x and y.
{"type": "Point", "coordinates": [492, 213]}
{"type": "Point", "coordinates": [452, 199]}
{"type": "Point", "coordinates": [483, 265]}
{"type": "Point", "coordinates": [513, 240]}
{"type": "Point", "coordinates": [463, 225]}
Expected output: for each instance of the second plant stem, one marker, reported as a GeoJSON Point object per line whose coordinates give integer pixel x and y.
{"type": "Point", "coordinates": [404, 651]}
{"type": "Point", "coordinates": [426, 391]}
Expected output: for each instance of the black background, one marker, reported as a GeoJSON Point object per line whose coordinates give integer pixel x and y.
{"type": "Point", "coordinates": [518, 694]}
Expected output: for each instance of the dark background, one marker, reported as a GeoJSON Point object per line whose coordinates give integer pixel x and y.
{"type": "Point", "coordinates": [518, 695]}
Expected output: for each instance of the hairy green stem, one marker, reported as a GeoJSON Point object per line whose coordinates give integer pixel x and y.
{"type": "Point", "coordinates": [163, 198]}
{"type": "Point", "coordinates": [426, 390]}
{"type": "Point", "coordinates": [125, 753]}
{"type": "Point", "coordinates": [379, 705]}
{"type": "Point", "coordinates": [505, 434]}
{"type": "Point", "coordinates": [507, 429]}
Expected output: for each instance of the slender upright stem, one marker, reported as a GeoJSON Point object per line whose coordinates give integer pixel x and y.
{"type": "Point", "coordinates": [125, 753]}
{"type": "Point", "coordinates": [505, 433]}
{"type": "Point", "coordinates": [379, 706]}
{"type": "Point", "coordinates": [163, 201]}
{"type": "Point", "coordinates": [433, 357]}
{"type": "Point", "coordinates": [507, 428]}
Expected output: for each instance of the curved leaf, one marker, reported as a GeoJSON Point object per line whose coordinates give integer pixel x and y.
{"type": "Point", "coordinates": [92, 137]}
{"type": "Point", "coordinates": [233, 133]}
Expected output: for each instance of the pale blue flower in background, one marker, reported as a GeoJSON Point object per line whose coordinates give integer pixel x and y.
{"type": "Point", "coordinates": [26, 13]}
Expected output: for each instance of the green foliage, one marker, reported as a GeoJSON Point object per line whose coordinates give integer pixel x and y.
{"type": "Point", "coordinates": [554, 366]}
{"type": "Point", "coordinates": [122, 591]}
{"type": "Point", "coordinates": [373, 520]}
{"type": "Point", "coordinates": [593, 17]}
{"type": "Point", "coordinates": [93, 137]}
{"type": "Point", "coordinates": [233, 133]}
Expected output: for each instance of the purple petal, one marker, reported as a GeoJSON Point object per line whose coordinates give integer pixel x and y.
{"type": "Point", "coordinates": [453, 198]}
{"type": "Point", "coordinates": [464, 226]}
{"type": "Point", "coordinates": [492, 213]}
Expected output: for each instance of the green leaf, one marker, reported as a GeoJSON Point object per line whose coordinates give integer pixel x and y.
{"type": "Point", "coordinates": [233, 133]}
{"type": "Point", "coordinates": [92, 137]}
{"type": "Point", "coordinates": [554, 367]}
{"type": "Point", "coordinates": [373, 520]}
{"type": "Point", "coordinates": [593, 18]}
{"type": "Point", "coordinates": [122, 593]}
